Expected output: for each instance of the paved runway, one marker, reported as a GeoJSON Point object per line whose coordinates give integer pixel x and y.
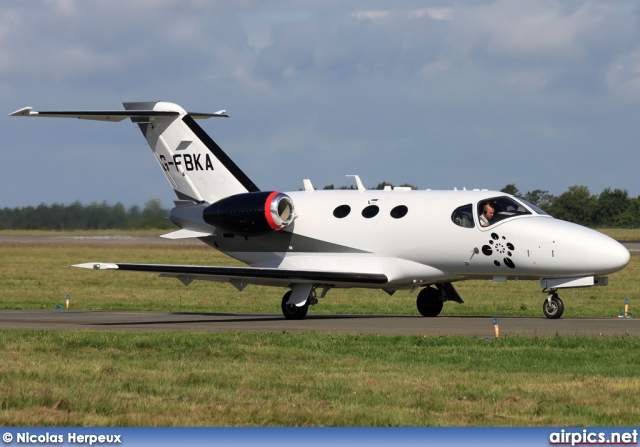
{"type": "Point", "coordinates": [339, 324]}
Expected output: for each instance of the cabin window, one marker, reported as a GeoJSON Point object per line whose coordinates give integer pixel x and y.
{"type": "Point", "coordinates": [399, 211]}
{"type": "Point", "coordinates": [494, 210]}
{"type": "Point", "coordinates": [342, 211]}
{"type": "Point", "coordinates": [463, 216]}
{"type": "Point", "coordinates": [370, 211]}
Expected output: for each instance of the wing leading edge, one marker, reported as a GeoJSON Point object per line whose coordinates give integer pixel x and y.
{"type": "Point", "coordinates": [247, 275]}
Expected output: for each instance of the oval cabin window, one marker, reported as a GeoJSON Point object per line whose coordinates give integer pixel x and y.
{"type": "Point", "coordinates": [399, 211]}
{"type": "Point", "coordinates": [342, 211]}
{"type": "Point", "coordinates": [370, 211]}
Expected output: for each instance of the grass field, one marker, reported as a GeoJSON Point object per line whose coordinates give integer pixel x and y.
{"type": "Point", "coordinates": [231, 379]}
{"type": "Point", "coordinates": [69, 378]}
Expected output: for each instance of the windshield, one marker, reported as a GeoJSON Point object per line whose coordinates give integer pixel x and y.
{"type": "Point", "coordinates": [535, 208]}
{"type": "Point", "coordinates": [494, 210]}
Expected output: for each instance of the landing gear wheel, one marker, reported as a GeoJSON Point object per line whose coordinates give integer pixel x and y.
{"type": "Point", "coordinates": [291, 311]}
{"type": "Point", "coordinates": [553, 307]}
{"type": "Point", "coordinates": [429, 302]}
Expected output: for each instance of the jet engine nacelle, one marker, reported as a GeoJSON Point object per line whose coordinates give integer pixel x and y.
{"type": "Point", "coordinates": [252, 213]}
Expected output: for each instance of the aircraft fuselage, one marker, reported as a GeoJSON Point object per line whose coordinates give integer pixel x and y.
{"type": "Point", "coordinates": [413, 238]}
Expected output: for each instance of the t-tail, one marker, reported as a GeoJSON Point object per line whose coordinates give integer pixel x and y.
{"type": "Point", "coordinates": [197, 168]}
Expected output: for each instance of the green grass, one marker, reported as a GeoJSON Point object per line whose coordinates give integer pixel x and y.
{"type": "Point", "coordinates": [227, 379]}
{"type": "Point", "coordinates": [622, 234]}
{"type": "Point", "coordinates": [147, 232]}
{"type": "Point", "coordinates": [40, 276]}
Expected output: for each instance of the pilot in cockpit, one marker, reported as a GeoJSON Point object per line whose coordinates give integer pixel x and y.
{"type": "Point", "coordinates": [487, 215]}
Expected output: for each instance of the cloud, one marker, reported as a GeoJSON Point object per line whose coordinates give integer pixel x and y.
{"type": "Point", "coordinates": [434, 13]}
{"type": "Point", "coordinates": [370, 15]}
{"type": "Point", "coordinates": [436, 96]}
{"type": "Point", "coordinates": [563, 48]}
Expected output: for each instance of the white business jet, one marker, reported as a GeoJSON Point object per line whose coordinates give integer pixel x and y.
{"type": "Point", "coordinates": [312, 241]}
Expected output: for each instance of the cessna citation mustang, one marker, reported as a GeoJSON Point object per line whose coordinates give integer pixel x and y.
{"type": "Point", "coordinates": [313, 241]}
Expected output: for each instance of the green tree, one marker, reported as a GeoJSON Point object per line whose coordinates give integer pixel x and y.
{"type": "Point", "coordinates": [154, 216]}
{"type": "Point", "coordinates": [134, 216]}
{"type": "Point", "coordinates": [540, 198]}
{"type": "Point", "coordinates": [511, 189]}
{"type": "Point", "coordinates": [612, 205]}
{"type": "Point", "coordinates": [381, 185]}
{"type": "Point", "coordinates": [575, 205]}
{"type": "Point", "coordinates": [631, 216]}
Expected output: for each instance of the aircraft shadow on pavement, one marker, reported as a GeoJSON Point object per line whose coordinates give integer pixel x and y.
{"type": "Point", "coordinates": [244, 318]}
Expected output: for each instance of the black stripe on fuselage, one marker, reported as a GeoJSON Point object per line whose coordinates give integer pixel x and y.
{"type": "Point", "coordinates": [220, 154]}
{"type": "Point", "coordinates": [276, 242]}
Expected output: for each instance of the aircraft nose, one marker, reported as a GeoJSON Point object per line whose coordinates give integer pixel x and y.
{"type": "Point", "coordinates": [605, 255]}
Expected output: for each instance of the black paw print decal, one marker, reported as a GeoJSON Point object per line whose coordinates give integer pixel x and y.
{"type": "Point", "coordinates": [502, 248]}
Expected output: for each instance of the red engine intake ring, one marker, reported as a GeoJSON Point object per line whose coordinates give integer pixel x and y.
{"type": "Point", "coordinates": [277, 216]}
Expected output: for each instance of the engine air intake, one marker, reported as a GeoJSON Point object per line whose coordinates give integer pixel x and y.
{"type": "Point", "coordinates": [251, 214]}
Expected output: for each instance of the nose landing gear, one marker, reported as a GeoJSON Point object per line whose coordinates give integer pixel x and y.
{"type": "Point", "coordinates": [553, 308]}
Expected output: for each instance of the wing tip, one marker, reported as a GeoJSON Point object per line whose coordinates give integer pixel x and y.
{"type": "Point", "coordinates": [25, 111]}
{"type": "Point", "coordinates": [97, 266]}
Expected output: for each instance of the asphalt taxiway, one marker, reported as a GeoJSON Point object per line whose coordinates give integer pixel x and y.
{"type": "Point", "coordinates": [338, 324]}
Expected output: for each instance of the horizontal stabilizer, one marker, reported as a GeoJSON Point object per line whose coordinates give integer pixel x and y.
{"type": "Point", "coordinates": [185, 234]}
{"type": "Point", "coordinates": [249, 275]}
{"type": "Point", "coordinates": [113, 115]}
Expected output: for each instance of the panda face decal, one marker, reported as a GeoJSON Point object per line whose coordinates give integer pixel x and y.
{"type": "Point", "coordinates": [502, 249]}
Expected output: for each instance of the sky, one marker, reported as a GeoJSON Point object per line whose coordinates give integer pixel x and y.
{"type": "Point", "coordinates": [439, 94]}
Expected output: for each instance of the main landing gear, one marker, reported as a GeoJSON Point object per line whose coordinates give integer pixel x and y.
{"type": "Point", "coordinates": [429, 302]}
{"type": "Point", "coordinates": [291, 311]}
{"type": "Point", "coordinates": [553, 307]}
{"type": "Point", "coordinates": [306, 294]}
{"type": "Point", "coordinates": [431, 299]}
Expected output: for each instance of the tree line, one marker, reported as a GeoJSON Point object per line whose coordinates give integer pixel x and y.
{"type": "Point", "coordinates": [95, 216]}
{"type": "Point", "coordinates": [612, 208]}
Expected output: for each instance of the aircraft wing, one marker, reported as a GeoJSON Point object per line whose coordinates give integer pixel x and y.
{"type": "Point", "coordinates": [242, 276]}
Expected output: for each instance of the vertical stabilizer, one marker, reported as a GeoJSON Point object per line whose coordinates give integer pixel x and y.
{"type": "Point", "coordinates": [195, 166]}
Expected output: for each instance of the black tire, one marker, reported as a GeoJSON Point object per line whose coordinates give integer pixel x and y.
{"type": "Point", "coordinates": [554, 309]}
{"type": "Point", "coordinates": [291, 311]}
{"type": "Point", "coordinates": [429, 302]}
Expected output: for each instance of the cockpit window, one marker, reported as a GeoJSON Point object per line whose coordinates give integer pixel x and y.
{"type": "Point", "coordinates": [494, 210]}
{"type": "Point", "coordinates": [463, 216]}
{"type": "Point", "coordinates": [535, 208]}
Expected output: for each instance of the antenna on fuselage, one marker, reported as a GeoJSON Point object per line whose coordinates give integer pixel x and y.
{"type": "Point", "coordinates": [307, 185]}
{"type": "Point", "coordinates": [358, 182]}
